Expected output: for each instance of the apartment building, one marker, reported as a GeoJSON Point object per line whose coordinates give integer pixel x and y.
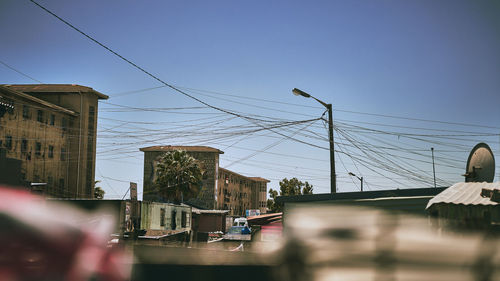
{"type": "Point", "coordinates": [51, 129]}
{"type": "Point", "coordinates": [238, 193]}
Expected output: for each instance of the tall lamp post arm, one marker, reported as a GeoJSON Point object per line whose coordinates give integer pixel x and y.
{"type": "Point", "coordinates": [322, 103]}
{"type": "Point", "coordinates": [333, 176]}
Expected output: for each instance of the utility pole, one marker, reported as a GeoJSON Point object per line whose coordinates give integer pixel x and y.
{"type": "Point", "coordinates": [333, 176]}
{"type": "Point", "coordinates": [433, 168]}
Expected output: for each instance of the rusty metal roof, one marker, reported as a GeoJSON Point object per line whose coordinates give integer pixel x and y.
{"type": "Point", "coordinates": [181, 147]}
{"type": "Point", "coordinates": [466, 193]}
{"type": "Point", "coordinates": [265, 219]}
{"type": "Point", "coordinates": [55, 88]}
{"type": "Point", "coordinates": [200, 211]}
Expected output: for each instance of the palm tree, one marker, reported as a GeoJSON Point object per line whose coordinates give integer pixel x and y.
{"type": "Point", "coordinates": [98, 191]}
{"type": "Point", "coordinates": [178, 176]}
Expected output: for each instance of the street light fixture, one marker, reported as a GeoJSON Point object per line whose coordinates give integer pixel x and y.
{"type": "Point", "coordinates": [333, 180]}
{"type": "Point", "coordinates": [359, 178]}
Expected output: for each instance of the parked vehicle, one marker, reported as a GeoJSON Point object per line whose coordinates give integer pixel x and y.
{"type": "Point", "coordinates": [240, 222]}
{"type": "Point", "coordinates": [238, 233]}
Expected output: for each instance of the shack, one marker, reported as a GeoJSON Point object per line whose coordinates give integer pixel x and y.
{"type": "Point", "coordinates": [467, 205]}
{"type": "Point", "coordinates": [165, 218]}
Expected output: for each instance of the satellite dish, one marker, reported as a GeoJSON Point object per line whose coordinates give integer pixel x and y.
{"type": "Point", "coordinates": [480, 165]}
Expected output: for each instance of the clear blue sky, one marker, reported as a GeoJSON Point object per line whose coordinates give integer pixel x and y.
{"type": "Point", "coordinates": [434, 60]}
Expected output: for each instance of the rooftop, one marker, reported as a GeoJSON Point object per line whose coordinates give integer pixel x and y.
{"type": "Point", "coordinates": [410, 192]}
{"type": "Point", "coordinates": [55, 88]}
{"type": "Point", "coordinates": [200, 211]}
{"type": "Point", "coordinates": [259, 179]}
{"type": "Point", "coordinates": [468, 193]}
{"type": "Point", "coordinates": [240, 175]}
{"type": "Point", "coordinates": [181, 147]}
{"type": "Point", "coordinates": [11, 91]}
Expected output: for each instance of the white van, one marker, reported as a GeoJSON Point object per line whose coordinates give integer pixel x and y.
{"type": "Point", "coordinates": [240, 222]}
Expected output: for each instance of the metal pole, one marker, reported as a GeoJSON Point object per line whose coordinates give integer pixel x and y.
{"type": "Point", "coordinates": [333, 180]}
{"type": "Point", "coordinates": [361, 184]}
{"type": "Point", "coordinates": [433, 168]}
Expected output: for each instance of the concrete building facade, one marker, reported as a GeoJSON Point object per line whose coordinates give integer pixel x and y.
{"type": "Point", "coordinates": [164, 218]}
{"type": "Point", "coordinates": [209, 161]}
{"type": "Point", "coordinates": [51, 129]}
{"type": "Point", "coordinates": [238, 193]}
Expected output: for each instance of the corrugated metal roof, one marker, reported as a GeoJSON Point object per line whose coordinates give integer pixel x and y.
{"type": "Point", "coordinates": [199, 211]}
{"type": "Point", "coordinates": [465, 193]}
{"type": "Point", "coordinates": [55, 88]}
{"type": "Point", "coordinates": [181, 147]}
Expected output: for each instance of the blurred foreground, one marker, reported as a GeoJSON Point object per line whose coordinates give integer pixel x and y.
{"type": "Point", "coordinates": [41, 241]}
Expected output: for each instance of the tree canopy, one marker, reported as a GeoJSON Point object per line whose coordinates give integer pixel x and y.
{"type": "Point", "coordinates": [287, 187]}
{"type": "Point", "coordinates": [177, 176]}
{"type": "Point", "coordinates": [98, 191]}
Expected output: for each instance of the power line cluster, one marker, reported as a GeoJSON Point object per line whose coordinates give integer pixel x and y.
{"type": "Point", "coordinates": [388, 151]}
{"type": "Point", "coordinates": [388, 154]}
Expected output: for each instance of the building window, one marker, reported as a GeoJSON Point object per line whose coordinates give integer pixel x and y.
{"type": "Point", "coordinates": [61, 186]}
{"type": "Point", "coordinates": [8, 142]}
{"type": "Point", "coordinates": [38, 149]}
{"type": "Point", "coordinates": [52, 119]}
{"type": "Point", "coordinates": [183, 219]}
{"type": "Point", "coordinates": [64, 123]}
{"type": "Point", "coordinates": [24, 145]}
{"type": "Point", "coordinates": [173, 222]}
{"type": "Point", "coordinates": [39, 116]}
{"type": "Point", "coordinates": [63, 154]}
{"type": "Point", "coordinates": [26, 112]}
{"type": "Point", "coordinates": [51, 151]}
{"type": "Point", "coordinates": [162, 217]}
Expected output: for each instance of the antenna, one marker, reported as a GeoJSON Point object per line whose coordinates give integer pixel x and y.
{"type": "Point", "coordinates": [480, 164]}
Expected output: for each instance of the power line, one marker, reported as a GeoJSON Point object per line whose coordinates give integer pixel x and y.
{"type": "Point", "coordinates": [18, 71]}
{"type": "Point", "coordinates": [139, 67]}
{"type": "Point", "coordinates": [417, 119]}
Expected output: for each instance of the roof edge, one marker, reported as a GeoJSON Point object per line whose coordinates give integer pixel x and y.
{"type": "Point", "coordinates": [257, 179]}
{"type": "Point", "coordinates": [165, 148]}
{"type": "Point", "coordinates": [79, 88]}
{"type": "Point", "coordinates": [37, 100]}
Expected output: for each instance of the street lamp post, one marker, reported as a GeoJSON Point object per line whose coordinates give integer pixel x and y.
{"type": "Point", "coordinates": [359, 178]}
{"type": "Point", "coordinates": [333, 180]}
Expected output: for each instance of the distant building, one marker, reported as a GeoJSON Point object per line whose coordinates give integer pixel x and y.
{"type": "Point", "coordinates": [154, 219]}
{"type": "Point", "coordinates": [164, 218]}
{"type": "Point", "coordinates": [51, 129]}
{"type": "Point", "coordinates": [238, 193]}
{"type": "Point", "coordinates": [209, 160]}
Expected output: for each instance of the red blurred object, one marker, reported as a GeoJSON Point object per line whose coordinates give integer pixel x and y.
{"type": "Point", "coordinates": [41, 241]}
